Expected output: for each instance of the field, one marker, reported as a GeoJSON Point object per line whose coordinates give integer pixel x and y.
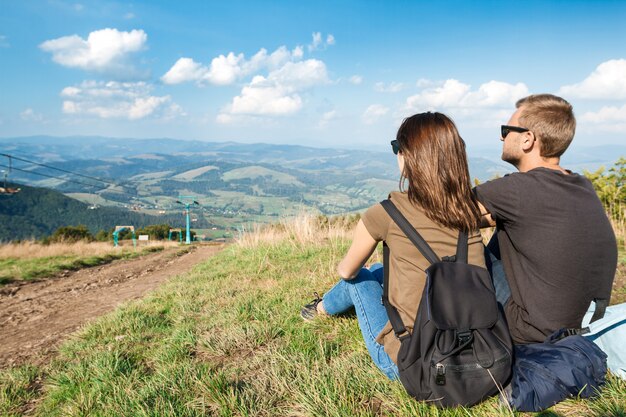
{"type": "Point", "coordinates": [29, 260]}
{"type": "Point", "coordinates": [226, 339]}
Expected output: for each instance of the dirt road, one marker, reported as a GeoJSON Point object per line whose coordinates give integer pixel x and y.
{"type": "Point", "coordinates": [35, 317]}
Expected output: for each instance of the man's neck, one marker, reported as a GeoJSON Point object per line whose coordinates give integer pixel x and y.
{"type": "Point", "coordinates": [527, 164]}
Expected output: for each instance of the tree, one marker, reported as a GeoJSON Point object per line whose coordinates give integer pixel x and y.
{"type": "Point", "coordinates": [156, 231]}
{"type": "Point", "coordinates": [611, 188]}
{"type": "Point", "coordinates": [71, 234]}
{"type": "Point", "coordinates": [104, 235]}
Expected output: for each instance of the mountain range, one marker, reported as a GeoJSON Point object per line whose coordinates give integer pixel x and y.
{"type": "Point", "coordinates": [233, 183]}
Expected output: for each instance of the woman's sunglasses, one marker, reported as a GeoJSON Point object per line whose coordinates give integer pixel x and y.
{"type": "Point", "coordinates": [505, 130]}
{"type": "Point", "coordinates": [395, 146]}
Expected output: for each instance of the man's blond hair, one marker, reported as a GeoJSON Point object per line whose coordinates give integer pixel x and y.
{"type": "Point", "coordinates": [551, 119]}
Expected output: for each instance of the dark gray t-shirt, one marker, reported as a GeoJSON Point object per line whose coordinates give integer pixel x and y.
{"type": "Point", "coordinates": [557, 246]}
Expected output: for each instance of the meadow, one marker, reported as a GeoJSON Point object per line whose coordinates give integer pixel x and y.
{"type": "Point", "coordinates": [227, 340]}
{"type": "Point", "coordinates": [29, 260]}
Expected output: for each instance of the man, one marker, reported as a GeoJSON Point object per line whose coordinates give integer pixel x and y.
{"type": "Point", "coordinates": [557, 246]}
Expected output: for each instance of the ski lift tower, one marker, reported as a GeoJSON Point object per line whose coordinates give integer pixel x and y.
{"type": "Point", "coordinates": [187, 201]}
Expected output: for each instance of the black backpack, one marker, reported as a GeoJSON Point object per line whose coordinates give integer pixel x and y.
{"type": "Point", "coordinates": [460, 351]}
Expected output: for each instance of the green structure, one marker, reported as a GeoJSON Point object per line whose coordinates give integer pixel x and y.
{"type": "Point", "coordinates": [119, 229]}
{"type": "Point", "coordinates": [180, 234]}
{"type": "Point", "coordinates": [187, 201]}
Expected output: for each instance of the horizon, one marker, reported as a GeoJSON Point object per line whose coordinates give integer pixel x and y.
{"type": "Point", "coordinates": [299, 74]}
{"type": "Point", "coordinates": [376, 147]}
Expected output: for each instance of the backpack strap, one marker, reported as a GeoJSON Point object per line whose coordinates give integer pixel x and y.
{"type": "Point", "coordinates": [461, 247]}
{"type": "Point", "coordinates": [410, 232]}
{"type": "Point", "coordinates": [601, 304]}
{"type": "Point", "coordinates": [399, 329]}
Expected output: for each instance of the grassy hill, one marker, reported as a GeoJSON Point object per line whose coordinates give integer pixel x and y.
{"type": "Point", "coordinates": [37, 212]}
{"type": "Point", "coordinates": [227, 340]}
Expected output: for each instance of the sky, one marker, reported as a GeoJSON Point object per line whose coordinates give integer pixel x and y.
{"type": "Point", "coordinates": [325, 73]}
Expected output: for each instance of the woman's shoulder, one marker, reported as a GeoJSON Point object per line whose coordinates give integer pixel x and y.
{"type": "Point", "coordinates": [410, 210]}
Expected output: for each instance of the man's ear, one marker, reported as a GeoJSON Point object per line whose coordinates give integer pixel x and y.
{"type": "Point", "coordinates": [529, 140]}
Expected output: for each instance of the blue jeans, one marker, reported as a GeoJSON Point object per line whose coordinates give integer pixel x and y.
{"type": "Point", "coordinates": [364, 293]}
{"type": "Point", "coordinates": [496, 269]}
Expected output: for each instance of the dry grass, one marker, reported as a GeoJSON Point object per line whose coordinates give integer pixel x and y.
{"type": "Point", "coordinates": [301, 230]}
{"type": "Point", "coordinates": [33, 250]}
{"type": "Point", "coordinates": [619, 226]}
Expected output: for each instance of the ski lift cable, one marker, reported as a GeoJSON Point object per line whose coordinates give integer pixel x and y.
{"type": "Point", "coordinates": [61, 169]}
{"type": "Point", "coordinates": [61, 179]}
{"type": "Point", "coordinates": [48, 176]}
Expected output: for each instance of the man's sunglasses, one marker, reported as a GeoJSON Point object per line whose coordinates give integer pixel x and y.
{"type": "Point", "coordinates": [505, 130]}
{"type": "Point", "coordinates": [395, 146]}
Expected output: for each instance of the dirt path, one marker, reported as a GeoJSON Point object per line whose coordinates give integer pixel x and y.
{"type": "Point", "coordinates": [35, 317]}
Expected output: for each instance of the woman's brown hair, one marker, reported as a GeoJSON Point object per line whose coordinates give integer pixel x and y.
{"type": "Point", "coordinates": [435, 165]}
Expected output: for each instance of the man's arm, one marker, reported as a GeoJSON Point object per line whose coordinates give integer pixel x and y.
{"type": "Point", "coordinates": [486, 220]}
{"type": "Point", "coordinates": [361, 249]}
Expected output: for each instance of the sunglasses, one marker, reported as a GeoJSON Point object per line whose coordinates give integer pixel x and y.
{"type": "Point", "coordinates": [505, 130]}
{"type": "Point", "coordinates": [395, 147]}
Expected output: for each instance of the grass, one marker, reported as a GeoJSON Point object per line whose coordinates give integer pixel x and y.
{"type": "Point", "coordinates": [31, 260]}
{"type": "Point", "coordinates": [226, 339]}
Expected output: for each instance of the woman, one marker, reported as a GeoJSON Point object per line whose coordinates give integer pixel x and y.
{"type": "Point", "coordinates": [438, 202]}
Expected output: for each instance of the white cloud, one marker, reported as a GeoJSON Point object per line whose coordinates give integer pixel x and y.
{"type": "Point", "coordinates": [4, 42]}
{"type": "Point", "coordinates": [327, 117]}
{"type": "Point", "coordinates": [29, 115]}
{"type": "Point", "coordinates": [116, 100]}
{"type": "Point", "coordinates": [103, 50]}
{"type": "Point", "coordinates": [224, 119]}
{"type": "Point", "coordinates": [608, 119]}
{"type": "Point", "coordinates": [129, 16]}
{"type": "Point", "coordinates": [491, 104]}
{"type": "Point", "coordinates": [373, 113]}
{"type": "Point", "coordinates": [392, 87]}
{"type": "Point", "coordinates": [78, 7]}
{"type": "Point", "coordinates": [608, 81]}
{"type": "Point", "coordinates": [265, 100]}
{"type": "Point", "coordinates": [453, 94]}
{"type": "Point", "coordinates": [355, 79]}
{"type": "Point", "coordinates": [606, 114]}
{"type": "Point", "coordinates": [298, 52]}
{"type": "Point", "coordinates": [318, 42]}
{"type": "Point", "coordinates": [226, 69]}
{"type": "Point", "coordinates": [424, 82]}
{"type": "Point", "coordinates": [278, 93]}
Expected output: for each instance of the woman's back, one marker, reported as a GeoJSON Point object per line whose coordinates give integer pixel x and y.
{"type": "Point", "coordinates": [407, 265]}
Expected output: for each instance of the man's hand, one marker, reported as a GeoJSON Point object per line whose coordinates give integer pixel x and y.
{"type": "Point", "coordinates": [485, 217]}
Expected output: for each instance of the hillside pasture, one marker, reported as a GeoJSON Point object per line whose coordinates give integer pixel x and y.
{"type": "Point", "coordinates": [256, 171]}
{"type": "Point", "coordinates": [226, 339]}
{"type": "Point", "coordinates": [29, 260]}
{"type": "Point", "coordinates": [191, 174]}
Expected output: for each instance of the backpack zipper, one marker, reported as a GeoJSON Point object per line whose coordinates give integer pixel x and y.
{"type": "Point", "coordinates": [440, 368]}
{"type": "Point", "coordinates": [440, 374]}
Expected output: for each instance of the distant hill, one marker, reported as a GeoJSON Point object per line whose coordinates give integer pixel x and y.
{"type": "Point", "coordinates": [234, 183]}
{"type": "Point", "coordinates": [37, 212]}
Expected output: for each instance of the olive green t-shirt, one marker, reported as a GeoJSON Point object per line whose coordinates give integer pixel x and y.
{"type": "Point", "coordinates": [407, 266]}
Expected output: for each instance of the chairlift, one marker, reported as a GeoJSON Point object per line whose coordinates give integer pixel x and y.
{"type": "Point", "coordinates": [6, 189]}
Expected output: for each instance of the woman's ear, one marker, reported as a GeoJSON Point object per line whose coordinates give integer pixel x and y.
{"type": "Point", "coordinates": [400, 162]}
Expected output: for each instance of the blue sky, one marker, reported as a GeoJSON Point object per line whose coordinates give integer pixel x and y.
{"type": "Point", "coordinates": [336, 73]}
